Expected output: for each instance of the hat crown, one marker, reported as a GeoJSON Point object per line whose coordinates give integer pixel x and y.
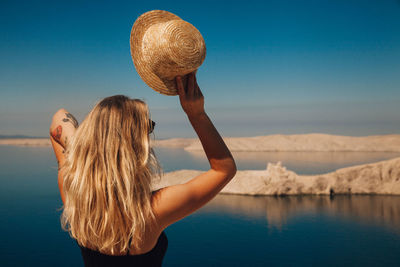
{"type": "Point", "coordinates": [164, 46]}
{"type": "Point", "coordinates": [173, 48]}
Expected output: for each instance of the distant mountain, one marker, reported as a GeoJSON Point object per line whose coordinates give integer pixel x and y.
{"type": "Point", "coordinates": [18, 136]}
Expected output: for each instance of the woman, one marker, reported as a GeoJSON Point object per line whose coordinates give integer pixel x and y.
{"type": "Point", "coordinates": [105, 171]}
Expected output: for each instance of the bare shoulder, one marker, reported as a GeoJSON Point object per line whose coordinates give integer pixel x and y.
{"type": "Point", "coordinates": [165, 200]}
{"type": "Point", "coordinates": [172, 203]}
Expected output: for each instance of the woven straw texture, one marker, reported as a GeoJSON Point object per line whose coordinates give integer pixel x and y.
{"type": "Point", "coordinates": [164, 46]}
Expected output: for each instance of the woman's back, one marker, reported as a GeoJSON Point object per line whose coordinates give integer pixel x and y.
{"type": "Point", "coordinates": [106, 174]}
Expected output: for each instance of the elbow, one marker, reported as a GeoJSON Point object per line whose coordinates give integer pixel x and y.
{"type": "Point", "coordinates": [232, 169]}
{"type": "Point", "coordinates": [56, 119]}
{"type": "Point", "coordinates": [229, 168]}
{"type": "Point", "coordinates": [59, 114]}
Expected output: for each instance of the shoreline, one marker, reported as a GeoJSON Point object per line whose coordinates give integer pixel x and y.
{"type": "Point", "coordinates": [314, 142]}
{"type": "Point", "coordinates": [31, 142]}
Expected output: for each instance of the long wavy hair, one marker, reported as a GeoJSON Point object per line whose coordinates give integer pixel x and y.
{"type": "Point", "coordinates": [108, 176]}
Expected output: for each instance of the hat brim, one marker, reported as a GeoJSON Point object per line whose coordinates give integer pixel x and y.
{"type": "Point", "coordinates": [139, 28]}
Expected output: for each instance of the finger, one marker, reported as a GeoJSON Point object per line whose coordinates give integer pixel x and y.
{"type": "Point", "coordinates": [185, 84]}
{"type": "Point", "coordinates": [198, 90]}
{"type": "Point", "coordinates": [200, 94]}
{"type": "Point", "coordinates": [196, 86]}
{"type": "Point", "coordinates": [190, 84]}
{"type": "Point", "coordinates": [179, 85]}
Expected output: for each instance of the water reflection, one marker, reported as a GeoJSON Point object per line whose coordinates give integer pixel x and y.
{"type": "Point", "coordinates": [374, 210]}
{"type": "Point", "coordinates": [30, 221]}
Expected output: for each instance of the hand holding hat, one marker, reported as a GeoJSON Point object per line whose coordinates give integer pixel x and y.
{"type": "Point", "coordinates": [164, 46]}
{"type": "Point", "coordinates": [190, 95]}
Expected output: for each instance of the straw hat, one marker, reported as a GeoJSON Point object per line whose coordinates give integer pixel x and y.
{"type": "Point", "coordinates": [164, 46]}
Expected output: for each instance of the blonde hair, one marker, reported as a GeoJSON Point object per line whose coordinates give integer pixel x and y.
{"type": "Point", "coordinates": [107, 176]}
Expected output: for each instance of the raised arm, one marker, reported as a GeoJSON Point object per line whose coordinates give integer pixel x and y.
{"type": "Point", "coordinates": [62, 128]}
{"type": "Point", "coordinates": [175, 202]}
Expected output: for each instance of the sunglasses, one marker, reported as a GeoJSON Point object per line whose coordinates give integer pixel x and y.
{"type": "Point", "coordinates": [152, 124]}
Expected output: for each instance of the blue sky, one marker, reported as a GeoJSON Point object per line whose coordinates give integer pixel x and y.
{"type": "Point", "coordinates": [271, 67]}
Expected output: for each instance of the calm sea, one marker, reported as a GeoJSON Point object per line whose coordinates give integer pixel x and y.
{"type": "Point", "coordinates": [229, 231]}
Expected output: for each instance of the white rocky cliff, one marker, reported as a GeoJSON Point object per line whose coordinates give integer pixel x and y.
{"type": "Point", "coordinates": [376, 178]}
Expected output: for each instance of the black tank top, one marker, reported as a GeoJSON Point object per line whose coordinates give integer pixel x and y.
{"type": "Point", "coordinates": [152, 258]}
